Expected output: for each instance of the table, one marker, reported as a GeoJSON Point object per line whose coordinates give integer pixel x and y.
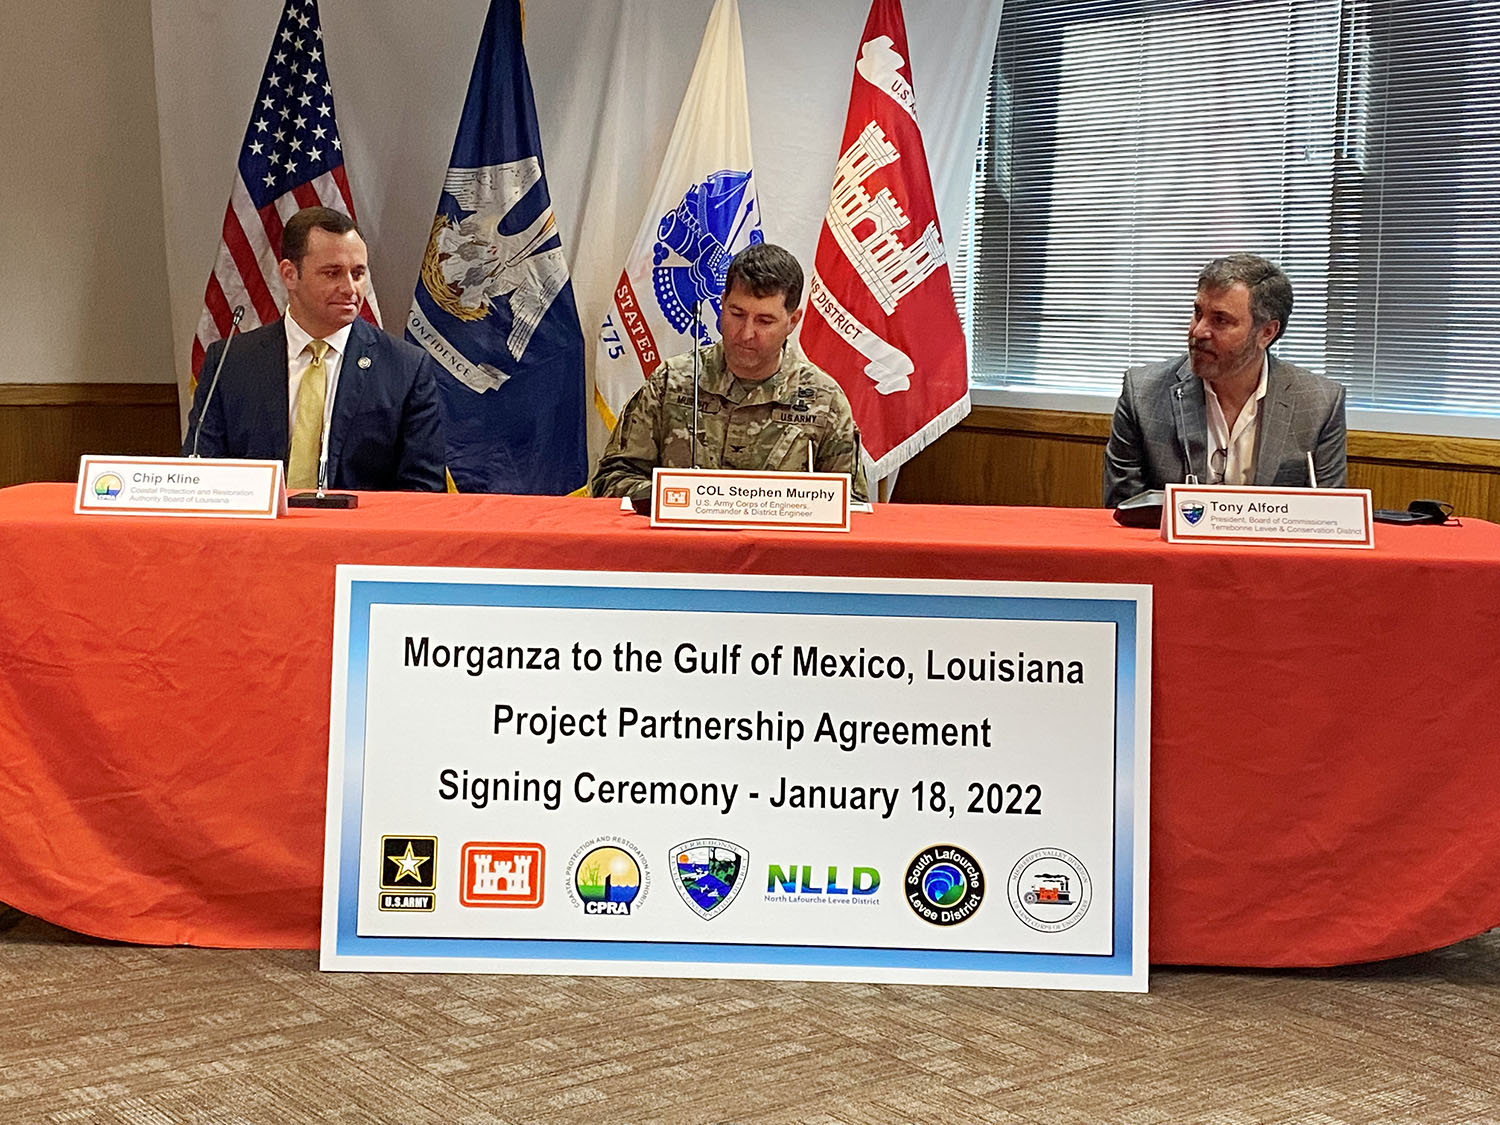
{"type": "Point", "coordinates": [1325, 755]}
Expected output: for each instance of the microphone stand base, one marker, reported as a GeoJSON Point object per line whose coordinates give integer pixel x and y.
{"type": "Point", "coordinates": [327, 500]}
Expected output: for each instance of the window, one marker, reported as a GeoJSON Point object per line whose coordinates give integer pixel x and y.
{"type": "Point", "coordinates": [1354, 142]}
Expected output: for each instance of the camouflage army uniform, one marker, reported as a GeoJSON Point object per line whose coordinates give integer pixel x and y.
{"type": "Point", "coordinates": [749, 426]}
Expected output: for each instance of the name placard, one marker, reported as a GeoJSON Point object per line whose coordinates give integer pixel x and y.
{"type": "Point", "coordinates": [732, 499]}
{"type": "Point", "coordinates": [179, 486]}
{"type": "Point", "coordinates": [1268, 517]}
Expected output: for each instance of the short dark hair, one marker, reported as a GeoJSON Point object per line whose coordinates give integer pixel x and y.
{"type": "Point", "coordinates": [766, 270]}
{"type": "Point", "coordinates": [299, 226]}
{"type": "Point", "coordinates": [1270, 290]}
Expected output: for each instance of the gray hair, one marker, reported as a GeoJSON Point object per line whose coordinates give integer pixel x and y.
{"type": "Point", "coordinates": [1270, 291]}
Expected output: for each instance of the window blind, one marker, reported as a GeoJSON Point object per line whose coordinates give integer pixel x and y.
{"type": "Point", "coordinates": [1354, 142]}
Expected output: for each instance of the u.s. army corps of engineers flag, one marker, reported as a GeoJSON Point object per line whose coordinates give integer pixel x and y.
{"type": "Point", "coordinates": [702, 212]}
{"type": "Point", "coordinates": [494, 303]}
{"type": "Point", "coordinates": [880, 312]}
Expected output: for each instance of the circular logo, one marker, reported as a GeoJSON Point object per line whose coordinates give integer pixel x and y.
{"type": "Point", "coordinates": [607, 877]}
{"type": "Point", "coordinates": [1050, 890]}
{"type": "Point", "coordinates": [107, 486]}
{"type": "Point", "coordinates": [944, 885]}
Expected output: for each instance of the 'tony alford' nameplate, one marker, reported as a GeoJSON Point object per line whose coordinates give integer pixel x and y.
{"type": "Point", "coordinates": [1268, 517]}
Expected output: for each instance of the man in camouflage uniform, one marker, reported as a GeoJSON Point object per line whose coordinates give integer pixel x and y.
{"type": "Point", "coordinates": [761, 404]}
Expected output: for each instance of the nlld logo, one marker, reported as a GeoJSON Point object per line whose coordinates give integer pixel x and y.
{"type": "Point", "coordinates": [805, 880]}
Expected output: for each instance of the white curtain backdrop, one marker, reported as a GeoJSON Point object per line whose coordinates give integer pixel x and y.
{"type": "Point", "coordinates": [608, 75]}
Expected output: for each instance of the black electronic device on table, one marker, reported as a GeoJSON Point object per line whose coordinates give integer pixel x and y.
{"type": "Point", "coordinates": [1141, 510]}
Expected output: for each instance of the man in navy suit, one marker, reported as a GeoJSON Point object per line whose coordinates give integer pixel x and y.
{"type": "Point", "coordinates": [1227, 412]}
{"type": "Point", "coordinates": [375, 396]}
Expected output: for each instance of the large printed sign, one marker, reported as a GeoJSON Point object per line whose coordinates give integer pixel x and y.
{"type": "Point", "coordinates": [739, 776]}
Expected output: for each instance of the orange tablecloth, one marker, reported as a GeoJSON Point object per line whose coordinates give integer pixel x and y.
{"type": "Point", "coordinates": [1325, 750]}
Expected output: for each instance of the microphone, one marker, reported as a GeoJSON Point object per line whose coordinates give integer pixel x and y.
{"type": "Point", "coordinates": [239, 315]}
{"type": "Point", "coordinates": [697, 338]}
{"type": "Point", "coordinates": [323, 453]}
{"type": "Point", "coordinates": [1181, 440]}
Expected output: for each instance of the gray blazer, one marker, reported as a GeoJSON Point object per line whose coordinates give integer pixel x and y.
{"type": "Point", "coordinates": [1160, 430]}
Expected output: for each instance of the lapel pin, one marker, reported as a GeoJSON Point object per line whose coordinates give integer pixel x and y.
{"type": "Point", "coordinates": [364, 362]}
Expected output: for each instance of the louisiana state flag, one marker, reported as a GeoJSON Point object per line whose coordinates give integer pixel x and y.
{"type": "Point", "coordinates": [494, 302]}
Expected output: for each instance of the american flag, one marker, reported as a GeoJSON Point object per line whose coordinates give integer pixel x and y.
{"type": "Point", "coordinates": [292, 158]}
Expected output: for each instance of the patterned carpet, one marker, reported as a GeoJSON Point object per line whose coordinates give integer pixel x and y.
{"type": "Point", "coordinates": [96, 1032]}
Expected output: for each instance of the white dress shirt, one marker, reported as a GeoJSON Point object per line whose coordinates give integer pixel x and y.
{"type": "Point", "coordinates": [1235, 446]}
{"type": "Point", "coordinates": [299, 359]}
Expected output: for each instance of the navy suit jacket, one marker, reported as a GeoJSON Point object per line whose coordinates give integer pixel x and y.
{"type": "Point", "coordinates": [386, 429]}
{"type": "Point", "coordinates": [1160, 430]}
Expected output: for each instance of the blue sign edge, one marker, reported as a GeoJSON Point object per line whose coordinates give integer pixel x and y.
{"type": "Point", "coordinates": [364, 594]}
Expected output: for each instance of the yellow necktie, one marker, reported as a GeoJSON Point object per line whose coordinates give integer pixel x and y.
{"type": "Point", "coordinates": [307, 424]}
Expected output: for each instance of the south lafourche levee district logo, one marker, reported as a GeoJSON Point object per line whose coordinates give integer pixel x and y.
{"type": "Point", "coordinates": [408, 872]}
{"type": "Point", "coordinates": [607, 877]}
{"type": "Point", "coordinates": [709, 874]}
{"type": "Point", "coordinates": [1050, 890]}
{"type": "Point", "coordinates": [944, 885]}
{"type": "Point", "coordinates": [108, 486]}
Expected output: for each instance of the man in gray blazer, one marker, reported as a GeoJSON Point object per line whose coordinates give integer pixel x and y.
{"type": "Point", "coordinates": [1227, 412]}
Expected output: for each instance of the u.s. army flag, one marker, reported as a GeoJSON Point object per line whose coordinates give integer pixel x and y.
{"type": "Point", "coordinates": [702, 212]}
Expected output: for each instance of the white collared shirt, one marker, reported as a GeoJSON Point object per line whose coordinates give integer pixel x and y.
{"type": "Point", "coordinates": [1238, 443]}
{"type": "Point", "coordinates": [298, 359]}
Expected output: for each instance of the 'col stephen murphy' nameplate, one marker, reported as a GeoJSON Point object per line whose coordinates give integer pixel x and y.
{"type": "Point", "coordinates": [727, 498]}
{"type": "Point", "coordinates": [1268, 517]}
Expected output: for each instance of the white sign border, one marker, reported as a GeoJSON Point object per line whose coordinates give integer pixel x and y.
{"type": "Point", "coordinates": [359, 587]}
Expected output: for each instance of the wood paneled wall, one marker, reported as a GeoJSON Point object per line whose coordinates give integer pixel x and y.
{"type": "Point", "coordinates": [46, 427]}
{"type": "Point", "coordinates": [998, 455]}
{"type": "Point", "coordinates": [1004, 455]}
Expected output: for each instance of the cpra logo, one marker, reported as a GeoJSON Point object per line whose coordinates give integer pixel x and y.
{"type": "Point", "coordinates": [108, 486]}
{"type": "Point", "coordinates": [608, 877]}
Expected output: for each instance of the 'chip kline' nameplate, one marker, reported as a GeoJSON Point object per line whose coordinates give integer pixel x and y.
{"type": "Point", "coordinates": [179, 486]}
{"type": "Point", "coordinates": [727, 498]}
{"type": "Point", "coordinates": [1268, 517]}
